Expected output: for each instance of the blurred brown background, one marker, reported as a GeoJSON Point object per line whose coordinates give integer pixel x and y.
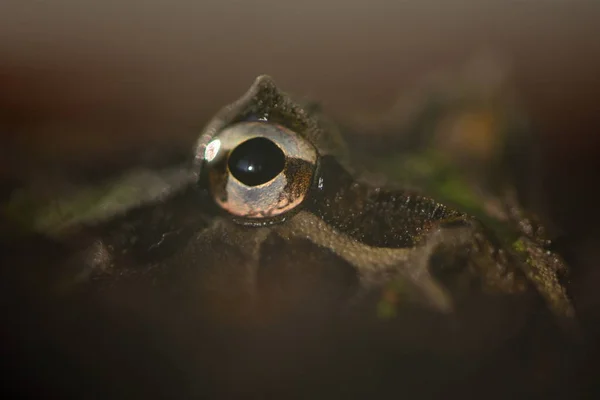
{"type": "Point", "coordinates": [152, 68]}
{"type": "Point", "coordinates": [83, 81]}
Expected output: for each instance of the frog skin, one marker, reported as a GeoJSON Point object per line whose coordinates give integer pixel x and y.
{"type": "Point", "coordinates": [210, 289]}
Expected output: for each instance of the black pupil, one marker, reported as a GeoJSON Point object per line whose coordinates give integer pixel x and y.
{"type": "Point", "coordinates": [256, 161]}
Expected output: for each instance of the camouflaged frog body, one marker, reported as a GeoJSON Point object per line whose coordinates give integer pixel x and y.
{"type": "Point", "coordinates": [378, 234]}
{"type": "Point", "coordinates": [267, 230]}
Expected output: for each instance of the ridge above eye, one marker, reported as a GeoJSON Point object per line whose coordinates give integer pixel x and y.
{"type": "Point", "coordinates": [258, 170]}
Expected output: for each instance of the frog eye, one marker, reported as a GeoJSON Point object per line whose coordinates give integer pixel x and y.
{"type": "Point", "coordinates": [258, 169]}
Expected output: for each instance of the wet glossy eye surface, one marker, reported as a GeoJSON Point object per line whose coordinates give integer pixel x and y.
{"type": "Point", "coordinates": [256, 161]}
{"type": "Point", "coordinates": [259, 170]}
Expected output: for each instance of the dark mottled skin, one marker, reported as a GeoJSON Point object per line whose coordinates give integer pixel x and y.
{"type": "Point", "coordinates": [176, 300]}
{"type": "Point", "coordinates": [372, 215]}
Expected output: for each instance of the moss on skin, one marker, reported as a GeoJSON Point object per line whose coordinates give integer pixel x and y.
{"type": "Point", "coordinates": [438, 178]}
{"type": "Point", "coordinates": [444, 182]}
{"type": "Point", "coordinates": [519, 246]}
{"type": "Point", "coordinates": [430, 172]}
{"type": "Point", "coordinates": [32, 214]}
{"type": "Point", "coordinates": [27, 211]}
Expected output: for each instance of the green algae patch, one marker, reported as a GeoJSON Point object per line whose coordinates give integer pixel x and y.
{"type": "Point", "coordinates": [32, 210]}
{"type": "Point", "coordinates": [519, 246]}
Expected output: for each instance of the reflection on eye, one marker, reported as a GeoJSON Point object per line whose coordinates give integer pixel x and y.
{"type": "Point", "coordinates": [258, 169]}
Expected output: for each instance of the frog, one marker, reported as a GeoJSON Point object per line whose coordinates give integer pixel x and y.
{"type": "Point", "coordinates": [263, 264]}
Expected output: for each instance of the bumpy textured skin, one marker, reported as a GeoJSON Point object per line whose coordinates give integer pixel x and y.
{"type": "Point", "coordinates": [362, 291]}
